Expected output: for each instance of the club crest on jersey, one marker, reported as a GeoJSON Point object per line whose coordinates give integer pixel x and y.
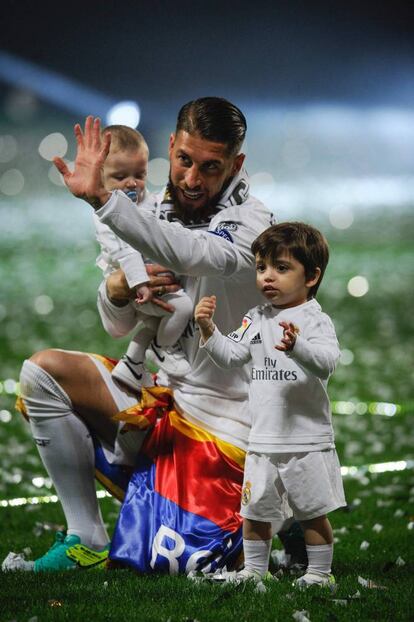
{"type": "Point", "coordinates": [237, 335]}
{"type": "Point", "coordinates": [228, 226]}
{"type": "Point", "coordinates": [246, 493]}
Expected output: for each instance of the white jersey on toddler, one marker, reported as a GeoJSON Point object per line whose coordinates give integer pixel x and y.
{"type": "Point", "coordinates": [289, 409]}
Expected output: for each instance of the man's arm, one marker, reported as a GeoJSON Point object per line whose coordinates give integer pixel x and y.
{"type": "Point", "coordinates": [193, 253]}
{"type": "Point", "coordinates": [187, 252]}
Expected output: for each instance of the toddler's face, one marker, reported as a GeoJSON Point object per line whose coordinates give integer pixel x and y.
{"type": "Point", "coordinates": [127, 170]}
{"type": "Point", "coordinates": [283, 284]}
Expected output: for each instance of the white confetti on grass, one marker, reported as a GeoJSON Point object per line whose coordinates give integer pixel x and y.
{"type": "Point", "coordinates": [377, 527]}
{"type": "Point", "coordinates": [364, 545]}
{"type": "Point", "coordinates": [301, 616]}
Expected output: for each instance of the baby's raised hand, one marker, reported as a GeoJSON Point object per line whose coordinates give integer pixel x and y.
{"type": "Point", "coordinates": [290, 332]}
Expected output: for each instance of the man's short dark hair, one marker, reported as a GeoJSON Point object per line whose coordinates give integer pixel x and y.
{"type": "Point", "coordinates": [214, 119]}
{"type": "Point", "coordinates": [303, 242]}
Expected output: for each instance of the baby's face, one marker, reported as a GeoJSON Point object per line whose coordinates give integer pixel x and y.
{"type": "Point", "coordinates": [127, 170]}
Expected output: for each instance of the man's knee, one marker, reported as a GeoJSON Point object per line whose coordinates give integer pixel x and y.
{"type": "Point", "coordinates": [41, 395]}
{"type": "Point", "coordinates": [51, 361]}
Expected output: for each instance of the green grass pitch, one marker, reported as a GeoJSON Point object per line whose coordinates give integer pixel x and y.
{"type": "Point", "coordinates": [48, 299]}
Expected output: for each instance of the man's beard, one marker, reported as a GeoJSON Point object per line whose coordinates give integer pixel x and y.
{"type": "Point", "coordinates": [189, 215]}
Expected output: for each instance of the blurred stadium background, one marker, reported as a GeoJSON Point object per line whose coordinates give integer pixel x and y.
{"type": "Point", "coordinates": [328, 93]}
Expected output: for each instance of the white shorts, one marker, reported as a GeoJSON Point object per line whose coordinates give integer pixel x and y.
{"type": "Point", "coordinates": [310, 483]}
{"type": "Point", "coordinates": [126, 446]}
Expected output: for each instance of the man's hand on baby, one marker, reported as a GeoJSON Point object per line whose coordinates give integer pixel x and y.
{"type": "Point", "coordinates": [162, 281]}
{"type": "Point", "coordinates": [290, 332]}
{"type": "Point", "coordinates": [118, 290]}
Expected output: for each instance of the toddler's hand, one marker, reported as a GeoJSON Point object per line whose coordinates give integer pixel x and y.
{"type": "Point", "coordinates": [143, 294]}
{"type": "Point", "coordinates": [204, 311]}
{"type": "Point", "coordinates": [203, 315]}
{"type": "Point", "coordinates": [290, 332]}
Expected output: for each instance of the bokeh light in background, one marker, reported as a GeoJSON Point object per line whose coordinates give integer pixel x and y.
{"type": "Point", "coordinates": [158, 169]}
{"type": "Point", "coordinates": [124, 113]}
{"type": "Point", "coordinates": [11, 182]}
{"type": "Point", "coordinates": [358, 286]}
{"type": "Point", "coordinates": [54, 144]}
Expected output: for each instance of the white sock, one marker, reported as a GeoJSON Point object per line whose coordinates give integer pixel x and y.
{"type": "Point", "coordinates": [256, 555]}
{"type": "Point", "coordinates": [319, 558]}
{"type": "Point", "coordinates": [66, 449]}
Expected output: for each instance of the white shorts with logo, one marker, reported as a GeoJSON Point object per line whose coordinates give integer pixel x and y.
{"type": "Point", "coordinates": [309, 483]}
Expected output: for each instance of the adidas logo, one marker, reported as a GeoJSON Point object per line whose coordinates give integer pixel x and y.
{"type": "Point", "coordinates": [256, 340]}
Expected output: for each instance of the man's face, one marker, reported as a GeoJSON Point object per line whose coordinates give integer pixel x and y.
{"type": "Point", "coordinates": [126, 169]}
{"type": "Point", "coordinates": [200, 170]}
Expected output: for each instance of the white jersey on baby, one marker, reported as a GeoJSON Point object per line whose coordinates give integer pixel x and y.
{"type": "Point", "coordinates": [289, 403]}
{"type": "Point", "coordinates": [115, 253]}
{"type": "Point", "coordinates": [217, 259]}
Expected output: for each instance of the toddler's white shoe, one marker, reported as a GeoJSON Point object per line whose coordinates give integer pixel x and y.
{"type": "Point", "coordinates": [316, 578]}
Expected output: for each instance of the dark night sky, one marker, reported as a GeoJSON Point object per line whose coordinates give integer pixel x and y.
{"type": "Point", "coordinates": [168, 52]}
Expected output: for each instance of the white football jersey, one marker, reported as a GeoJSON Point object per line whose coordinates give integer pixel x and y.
{"type": "Point", "coordinates": [216, 258]}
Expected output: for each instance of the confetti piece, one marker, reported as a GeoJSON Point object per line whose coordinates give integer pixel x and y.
{"type": "Point", "coordinates": [377, 527]}
{"type": "Point", "coordinates": [383, 504]}
{"type": "Point", "coordinates": [260, 588]}
{"type": "Point", "coordinates": [370, 584]}
{"type": "Point", "coordinates": [105, 584]}
{"type": "Point", "coordinates": [410, 525]}
{"type": "Point", "coordinates": [339, 601]}
{"type": "Point", "coordinates": [16, 561]}
{"type": "Point", "coordinates": [364, 545]}
{"type": "Point", "coordinates": [342, 530]}
{"type": "Point", "coordinates": [398, 513]}
{"type": "Point", "coordinates": [356, 502]}
{"type": "Point", "coordinates": [399, 561]}
{"type": "Point", "coordinates": [301, 616]}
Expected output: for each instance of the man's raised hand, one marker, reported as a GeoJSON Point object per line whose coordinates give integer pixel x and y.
{"type": "Point", "coordinates": [86, 181]}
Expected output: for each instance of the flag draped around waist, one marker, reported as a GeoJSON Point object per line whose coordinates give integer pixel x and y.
{"type": "Point", "coordinates": [181, 508]}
